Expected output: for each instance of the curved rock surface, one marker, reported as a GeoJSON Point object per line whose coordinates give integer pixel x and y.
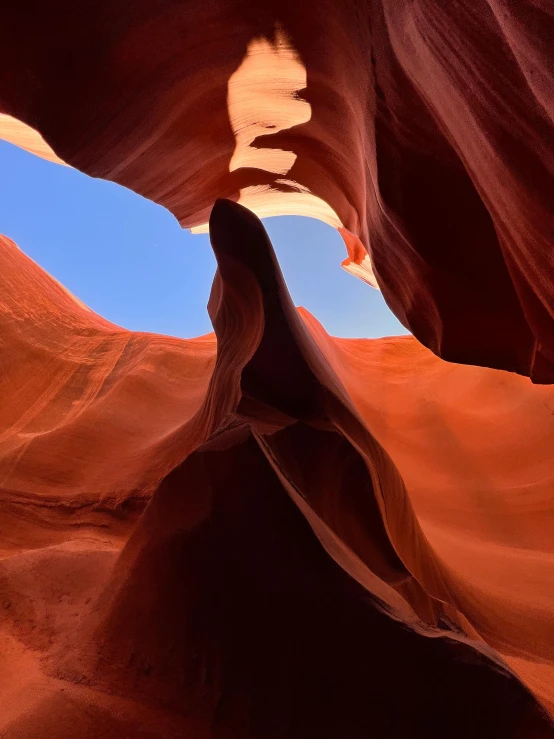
{"type": "Point", "coordinates": [423, 130]}
{"type": "Point", "coordinates": [269, 532]}
{"type": "Point", "coordinates": [394, 579]}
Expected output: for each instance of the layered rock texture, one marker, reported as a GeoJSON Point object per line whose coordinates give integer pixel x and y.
{"type": "Point", "coordinates": [265, 532]}
{"type": "Point", "coordinates": [423, 129]}
{"type": "Point", "coordinates": [269, 532]}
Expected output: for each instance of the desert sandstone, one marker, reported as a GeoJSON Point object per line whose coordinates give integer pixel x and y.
{"type": "Point", "coordinates": [267, 531]}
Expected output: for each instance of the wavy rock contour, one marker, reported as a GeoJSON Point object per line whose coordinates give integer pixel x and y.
{"type": "Point", "coordinates": [283, 577]}
{"type": "Point", "coordinates": [268, 531]}
{"type": "Point", "coordinates": [422, 130]}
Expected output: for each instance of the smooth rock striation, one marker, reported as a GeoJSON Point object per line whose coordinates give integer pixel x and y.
{"type": "Point", "coordinates": [269, 532]}
{"type": "Point", "coordinates": [314, 558]}
{"type": "Point", "coordinates": [423, 130]}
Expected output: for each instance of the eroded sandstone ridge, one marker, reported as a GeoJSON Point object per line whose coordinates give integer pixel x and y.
{"type": "Point", "coordinates": [422, 129]}
{"type": "Point", "coordinates": [341, 537]}
{"type": "Point", "coordinates": [269, 532]}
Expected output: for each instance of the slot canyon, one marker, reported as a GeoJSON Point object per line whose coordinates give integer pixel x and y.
{"type": "Point", "coordinates": [270, 532]}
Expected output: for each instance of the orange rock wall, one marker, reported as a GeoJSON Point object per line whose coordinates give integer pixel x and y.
{"type": "Point", "coordinates": [268, 531]}
{"type": "Point", "coordinates": [428, 137]}
{"type": "Point", "coordinates": [301, 529]}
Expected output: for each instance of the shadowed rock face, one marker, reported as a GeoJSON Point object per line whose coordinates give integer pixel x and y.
{"type": "Point", "coordinates": [422, 130]}
{"type": "Point", "coordinates": [288, 576]}
{"type": "Point", "coordinates": [269, 532]}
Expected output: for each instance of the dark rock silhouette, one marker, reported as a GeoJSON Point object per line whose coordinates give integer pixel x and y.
{"type": "Point", "coordinates": [282, 579]}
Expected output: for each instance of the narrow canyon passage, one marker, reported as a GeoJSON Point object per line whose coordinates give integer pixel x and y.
{"type": "Point", "coordinates": [279, 528]}
{"type": "Point", "coordinates": [253, 590]}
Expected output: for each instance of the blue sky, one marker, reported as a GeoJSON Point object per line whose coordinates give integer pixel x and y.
{"type": "Point", "coordinates": [130, 261]}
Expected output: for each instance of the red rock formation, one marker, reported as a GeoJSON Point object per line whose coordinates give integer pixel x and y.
{"type": "Point", "coordinates": [426, 133]}
{"type": "Point", "coordinates": [279, 533]}
{"type": "Point", "coordinates": [284, 579]}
